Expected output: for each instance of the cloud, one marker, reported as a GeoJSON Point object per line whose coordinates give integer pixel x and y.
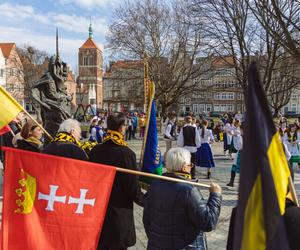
{"type": "Point", "coordinates": [19, 12]}
{"type": "Point", "coordinates": [90, 4]}
{"type": "Point", "coordinates": [72, 22]}
{"type": "Point", "coordinates": [68, 47]}
{"type": "Point", "coordinates": [79, 24]}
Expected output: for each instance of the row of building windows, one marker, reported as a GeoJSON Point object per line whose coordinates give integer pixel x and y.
{"type": "Point", "coordinates": [11, 72]}
{"type": "Point", "coordinates": [224, 108]}
{"type": "Point", "coordinates": [224, 96]}
{"type": "Point", "coordinates": [206, 108]}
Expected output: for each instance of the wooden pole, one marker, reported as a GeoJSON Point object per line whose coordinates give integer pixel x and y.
{"type": "Point", "coordinates": [42, 128]}
{"type": "Point", "coordinates": [129, 171]}
{"type": "Point", "coordinates": [293, 191]}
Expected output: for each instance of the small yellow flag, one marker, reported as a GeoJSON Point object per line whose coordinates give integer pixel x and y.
{"type": "Point", "coordinates": [9, 108]}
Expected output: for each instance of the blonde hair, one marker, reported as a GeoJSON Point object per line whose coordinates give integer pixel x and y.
{"type": "Point", "coordinates": [176, 158]}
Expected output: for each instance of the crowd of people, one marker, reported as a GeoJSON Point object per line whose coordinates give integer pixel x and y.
{"type": "Point", "coordinates": [197, 135]}
{"type": "Point", "coordinates": [175, 215]}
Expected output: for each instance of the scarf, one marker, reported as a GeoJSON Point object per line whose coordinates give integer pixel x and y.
{"type": "Point", "coordinates": [34, 140]}
{"type": "Point", "coordinates": [66, 137]}
{"type": "Point", "coordinates": [115, 137]}
{"type": "Point", "coordinates": [184, 175]}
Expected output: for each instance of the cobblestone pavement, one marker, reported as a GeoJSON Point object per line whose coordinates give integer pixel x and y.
{"type": "Point", "coordinates": [221, 174]}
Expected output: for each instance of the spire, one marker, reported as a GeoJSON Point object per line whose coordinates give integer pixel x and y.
{"type": "Point", "coordinates": [90, 29]}
{"type": "Point", "coordinates": [57, 53]}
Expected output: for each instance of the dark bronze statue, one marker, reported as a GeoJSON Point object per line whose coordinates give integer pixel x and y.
{"type": "Point", "coordinates": [49, 92]}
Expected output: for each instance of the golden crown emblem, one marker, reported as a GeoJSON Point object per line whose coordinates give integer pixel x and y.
{"type": "Point", "coordinates": [26, 193]}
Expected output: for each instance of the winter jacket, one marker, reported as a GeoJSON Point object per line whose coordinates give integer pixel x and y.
{"type": "Point", "coordinates": [176, 215]}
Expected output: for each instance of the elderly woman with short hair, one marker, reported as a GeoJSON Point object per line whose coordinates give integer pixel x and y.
{"type": "Point", "coordinates": [175, 214]}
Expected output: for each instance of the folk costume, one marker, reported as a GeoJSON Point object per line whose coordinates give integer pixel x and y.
{"type": "Point", "coordinates": [96, 134]}
{"type": "Point", "coordinates": [204, 156]}
{"type": "Point", "coordinates": [170, 135]}
{"type": "Point", "coordinates": [227, 136]}
{"type": "Point", "coordinates": [238, 145]}
{"type": "Point", "coordinates": [292, 140]}
{"type": "Point", "coordinates": [118, 230]}
{"type": "Point", "coordinates": [189, 138]}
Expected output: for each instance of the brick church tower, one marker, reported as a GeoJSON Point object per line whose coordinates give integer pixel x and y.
{"type": "Point", "coordinates": [90, 64]}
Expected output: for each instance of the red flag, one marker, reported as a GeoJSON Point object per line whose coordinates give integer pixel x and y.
{"type": "Point", "coordinates": [53, 202]}
{"type": "Point", "coordinates": [4, 130]}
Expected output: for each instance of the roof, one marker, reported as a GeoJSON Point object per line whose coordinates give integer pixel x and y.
{"type": "Point", "coordinates": [70, 76]}
{"type": "Point", "coordinates": [128, 64]}
{"type": "Point", "coordinates": [89, 44]}
{"type": "Point", "coordinates": [6, 48]}
{"type": "Point", "coordinates": [226, 61]}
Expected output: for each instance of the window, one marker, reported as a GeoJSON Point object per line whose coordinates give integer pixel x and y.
{"type": "Point", "coordinates": [230, 96]}
{"type": "Point", "coordinates": [294, 96]}
{"type": "Point", "coordinates": [294, 107]}
{"type": "Point", "coordinates": [240, 96]}
{"type": "Point", "coordinates": [208, 107]}
{"type": "Point", "coordinates": [1, 72]}
{"type": "Point", "coordinates": [188, 101]}
{"type": "Point", "coordinates": [196, 108]}
{"type": "Point", "coordinates": [230, 108]}
{"type": "Point", "coordinates": [201, 107]}
{"type": "Point", "coordinates": [217, 108]}
{"type": "Point", "coordinates": [85, 60]}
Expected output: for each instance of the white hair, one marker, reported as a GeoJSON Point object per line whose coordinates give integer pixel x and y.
{"type": "Point", "coordinates": [176, 158]}
{"type": "Point", "coordinates": [68, 125]}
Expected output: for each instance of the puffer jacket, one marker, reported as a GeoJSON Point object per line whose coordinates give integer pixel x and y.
{"type": "Point", "coordinates": [176, 215]}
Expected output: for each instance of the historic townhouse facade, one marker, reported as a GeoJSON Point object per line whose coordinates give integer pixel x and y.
{"type": "Point", "coordinates": [12, 75]}
{"type": "Point", "coordinates": [123, 85]}
{"type": "Point", "coordinates": [218, 90]}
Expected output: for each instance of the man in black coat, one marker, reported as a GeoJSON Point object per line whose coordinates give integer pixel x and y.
{"type": "Point", "coordinates": [118, 231]}
{"type": "Point", "coordinates": [66, 141]}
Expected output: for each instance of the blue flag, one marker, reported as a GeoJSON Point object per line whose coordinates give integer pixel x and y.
{"type": "Point", "coordinates": [152, 162]}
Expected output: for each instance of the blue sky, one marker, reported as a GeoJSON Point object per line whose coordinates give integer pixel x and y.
{"type": "Point", "coordinates": [33, 22]}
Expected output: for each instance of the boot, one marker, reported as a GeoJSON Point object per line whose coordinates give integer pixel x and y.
{"type": "Point", "coordinates": [208, 175]}
{"type": "Point", "coordinates": [193, 174]}
{"type": "Point", "coordinates": [230, 184]}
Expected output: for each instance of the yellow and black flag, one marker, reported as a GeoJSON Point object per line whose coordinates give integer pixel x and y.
{"type": "Point", "coordinates": [264, 177]}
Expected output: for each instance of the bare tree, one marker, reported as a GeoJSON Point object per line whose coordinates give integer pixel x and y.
{"type": "Point", "coordinates": [169, 38]}
{"type": "Point", "coordinates": [234, 30]}
{"type": "Point", "coordinates": [285, 79]}
{"type": "Point", "coordinates": [230, 31]}
{"type": "Point", "coordinates": [284, 15]}
{"type": "Point", "coordinates": [34, 64]}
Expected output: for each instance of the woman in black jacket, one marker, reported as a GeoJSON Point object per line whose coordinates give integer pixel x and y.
{"type": "Point", "coordinates": [175, 214]}
{"type": "Point", "coordinates": [31, 134]}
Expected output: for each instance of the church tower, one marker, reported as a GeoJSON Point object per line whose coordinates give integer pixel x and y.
{"type": "Point", "coordinates": [90, 64]}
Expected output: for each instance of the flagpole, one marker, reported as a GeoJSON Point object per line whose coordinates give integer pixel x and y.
{"type": "Point", "coordinates": [38, 124]}
{"type": "Point", "coordinates": [293, 191]}
{"type": "Point", "coordinates": [148, 106]}
{"type": "Point", "coordinates": [12, 99]}
{"type": "Point", "coordinates": [129, 171]}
